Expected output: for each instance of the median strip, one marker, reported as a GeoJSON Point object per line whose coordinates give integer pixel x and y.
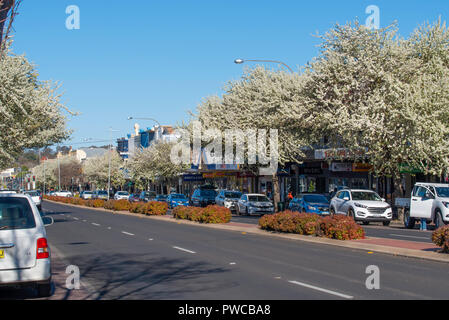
{"type": "Point", "coordinates": [341, 295]}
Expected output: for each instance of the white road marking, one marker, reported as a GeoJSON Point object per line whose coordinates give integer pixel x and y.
{"type": "Point", "coordinates": [182, 249]}
{"type": "Point", "coordinates": [400, 235]}
{"type": "Point", "coordinates": [232, 263]}
{"type": "Point", "coordinates": [109, 228]}
{"type": "Point", "coordinates": [322, 290]}
{"type": "Point", "coordinates": [75, 218]}
{"type": "Point", "coordinates": [129, 234]}
{"type": "Point", "coordinates": [84, 220]}
{"type": "Point", "coordinates": [150, 239]}
{"type": "Point", "coordinates": [96, 224]}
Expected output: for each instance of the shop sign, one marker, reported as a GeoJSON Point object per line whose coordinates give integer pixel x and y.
{"type": "Point", "coordinates": [192, 177]}
{"type": "Point", "coordinates": [361, 167]}
{"type": "Point", "coordinates": [341, 153]}
{"type": "Point", "coordinates": [310, 170]}
{"type": "Point", "coordinates": [341, 167]}
{"type": "Point", "coordinates": [406, 168]}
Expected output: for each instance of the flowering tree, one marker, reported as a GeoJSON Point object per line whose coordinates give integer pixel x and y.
{"type": "Point", "coordinates": [263, 99]}
{"type": "Point", "coordinates": [152, 163]}
{"type": "Point", "coordinates": [30, 110]}
{"type": "Point", "coordinates": [96, 170]}
{"type": "Point", "coordinates": [371, 90]}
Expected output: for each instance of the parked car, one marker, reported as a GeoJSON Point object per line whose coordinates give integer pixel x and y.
{"type": "Point", "coordinates": [228, 199]}
{"type": "Point", "coordinates": [85, 195]}
{"type": "Point", "coordinates": [134, 197]}
{"type": "Point", "coordinates": [24, 250]}
{"type": "Point", "coordinates": [362, 205]}
{"type": "Point", "coordinates": [36, 198]}
{"type": "Point", "coordinates": [176, 199]}
{"type": "Point", "coordinates": [101, 194]}
{"type": "Point", "coordinates": [63, 193]}
{"type": "Point", "coordinates": [310, 203]}
{"type": "Point", "coordinates": [121, 195]}
{"type": "Point", "coordinates": [161, 198]}
{"type": "Point", "coordinates": [429, 201]}
{"type": "Point", "coordinates": [8, 191]}
{"type": "Point", "coordinates": [203, 197]}
{"type": "Point", "coordinates": [254, 204]}
{"type": "Point", "coordinates": [146, 196]}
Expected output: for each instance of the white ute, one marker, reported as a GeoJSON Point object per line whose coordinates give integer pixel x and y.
{"type": "Point", "coordinates": [24, 251]}
{"type": "Point", "coordinates": [429, 201]}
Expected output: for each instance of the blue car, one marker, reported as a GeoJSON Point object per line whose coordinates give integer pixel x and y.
{"type": "Point", "coordinates": [310, 203]}
{"type": "Point", "coordinates": [176, 199]}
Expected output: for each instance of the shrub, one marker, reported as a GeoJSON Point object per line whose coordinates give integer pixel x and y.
{"type": "Point", "coordinates": [441, 238]}
{"type": "Point", "coordinates": [210, 214]}
{"type": "Point", "coordinates": [95, 203]}
{"type": "Point", "coordinates": [121, 205]}
{"type": "Point", "coordinates": [336, 227]}
{"type": "Point", "coordinates": [157, 208]}
{"type": "Point", "coordinates": [109, 205]}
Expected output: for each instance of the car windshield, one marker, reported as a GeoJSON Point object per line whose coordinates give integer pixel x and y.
{"type": "Point", "coordinates": [122, 193]}
{"type": "Point", "coordinates": [360, 195]}
{"type": "Point", "coordinates": [316, 198]}
{"type": "Point", "coordinates": [149, 194]}
{"type": "Point", "coordinates": [16, 213]}
{"type": "Point", "coordinates": [88, 192]}
{"type": "Point", "coordinates": [32, 194]}
{"type": "Point", "coordinates": [178, 197]}
{"type": "Point", "coordinates": [102, 192]}
{"type": "Point", "coordinates": [234, 195]}
{"type": "Point", "coordinates": [258, 198]}
{"type": "Point", "coordinates": [162, 197]}
{"type": "Point", "coordinates": [442, 192]}
{"type": "Point", "coordinates": [208, 193]}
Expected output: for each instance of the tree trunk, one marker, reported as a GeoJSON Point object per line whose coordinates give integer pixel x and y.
{"type": "Point", "coordinates": [276, 191]}
{"type": "Point", "coordinates": [398, 193]}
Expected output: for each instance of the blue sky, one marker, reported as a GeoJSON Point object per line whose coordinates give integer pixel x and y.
{"type": "Point", "coordinates": [159, 59]}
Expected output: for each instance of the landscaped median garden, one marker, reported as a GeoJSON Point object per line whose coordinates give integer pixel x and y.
{"type": "Point", "coordinates": [441, 238]}
{"type": "Point", "coordinates": [338, 227]}
{"type": "Point", "coordinates": [153, 208]}
{"type": "Point", "coordinates": [209, 214]}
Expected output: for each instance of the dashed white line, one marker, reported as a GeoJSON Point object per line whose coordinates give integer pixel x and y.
{"type": "Point", "coordinates": [151, 239]}
{"type": "Point", "coordinates": [322, 290]}
{"type": "Point", "coordinates": [232, 263]}
{"type": "Point", "coordinates": [84, 220]}
{"type": "Point", "coordinates": [109, 228]}
{"type": "Point", "coordinates": [185, 250]}
{"type": "Point", "coordinates": [127, 233]}
{"type": "Point", "coordinates": [95, 224]}
{"type": "Point", "coordinates": [75, 218]}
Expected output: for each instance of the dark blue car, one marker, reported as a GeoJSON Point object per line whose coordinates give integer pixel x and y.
{"type": "Point", "coordinates": [310, 203]}
{"type": "Point", "coordinates": [176, 199]}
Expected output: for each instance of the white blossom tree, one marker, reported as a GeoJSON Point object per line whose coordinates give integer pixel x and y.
{"type": "Point", "coordinates": [31, 113]}
{"type": "Point", "coordinates": [96, 170]}
{"type": "Point", "coordinates": [153, 163]}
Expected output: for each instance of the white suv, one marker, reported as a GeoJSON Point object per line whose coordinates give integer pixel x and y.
{"type": "Point", "coordinates": [429, 201]}
{"type": "Point", "coordinates": [362, 205]}
{"type": "Point", "coordinates": [24, 251]}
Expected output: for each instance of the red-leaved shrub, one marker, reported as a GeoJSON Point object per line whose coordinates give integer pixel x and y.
{"type": "Point", "coordinates": [441, 238]}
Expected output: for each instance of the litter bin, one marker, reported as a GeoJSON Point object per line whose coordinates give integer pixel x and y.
{"type": "Point", "coordinates": [281, 206]}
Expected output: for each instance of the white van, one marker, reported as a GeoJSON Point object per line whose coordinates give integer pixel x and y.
{"type": "Point", "coordinates": [24, 250]}
{"type": "Point", "coordinates": [429, 201]}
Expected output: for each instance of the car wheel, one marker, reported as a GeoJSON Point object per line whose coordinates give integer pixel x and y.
{"type": "Point", "coordinates": [386, 223]}
{"type": "Point", "coordinates": [44, 289]}
{"type": "Point", "coordinates": [409, 222]}
{"type": "Point", "coordinates": [438, 220]}
{"type": "Point", "coordinates": [332, 211]}
{"type": "Point", "coordinates": [246, 211]}
{"type": "Point", "coordinates": [365, 223]}
{"type": "Point", "coordinates": [351, 213]}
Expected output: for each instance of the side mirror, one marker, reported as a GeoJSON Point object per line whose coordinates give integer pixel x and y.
{"type": "Point", "coordinates": [383, 199]}
{"type": "Point", "coordinates": [48, 221]}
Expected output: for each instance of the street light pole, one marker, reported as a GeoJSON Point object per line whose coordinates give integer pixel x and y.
{"type": "Point", "coordinates": [240, 61]}
{"type": "Point", "coordinates": [109, 159]}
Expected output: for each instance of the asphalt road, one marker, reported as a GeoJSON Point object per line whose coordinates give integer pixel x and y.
{"type": "Point", "coordinates": [129, 257]}
{"type": "Point", "coordinates": [375, 229]}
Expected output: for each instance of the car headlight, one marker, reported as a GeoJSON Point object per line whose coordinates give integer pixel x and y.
{"type": "Point", "coordinates": [360, 205]}
{"type": "Point", "coordinates": [311, 208]}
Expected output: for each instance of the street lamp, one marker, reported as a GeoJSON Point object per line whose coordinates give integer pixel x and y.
{"type": "Point", "coordinates": [132, 118]}
{"type": "Point", "coordinates": [241, 61]}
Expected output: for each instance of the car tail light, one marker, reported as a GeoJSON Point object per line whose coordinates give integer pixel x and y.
{"type": "Point", "coordinates": [43, 251]}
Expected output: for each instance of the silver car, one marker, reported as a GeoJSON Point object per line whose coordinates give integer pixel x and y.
{"type": "Point", "coordinates": [228, 199]}
{"type": "Point", "coordinates": [254, 204]}
{"type": "Point", "coordinates": [35, 196]}
{"type": "Point", "coordinates": [24, 250]}
{"type": "Point", "coordinates": [85, 195]}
